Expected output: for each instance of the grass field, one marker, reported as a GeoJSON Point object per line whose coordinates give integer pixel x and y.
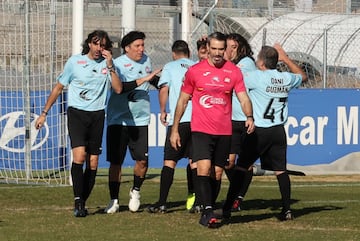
{"type": "Point", "coordinates": [325, 208]}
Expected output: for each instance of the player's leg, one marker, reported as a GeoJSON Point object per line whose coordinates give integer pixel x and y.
{"type": "Point", "coordinates": [93, 149]}
{"type": "Point", "coordinates": [116, 144]}
{"type": "Point", "coordinates": [138, 146]}
{"type": "Point", "coordinates": [77, 122]}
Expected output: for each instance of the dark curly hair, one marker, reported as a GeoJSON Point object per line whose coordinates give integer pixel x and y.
{"type": "Point", "coordinates": [94, 37]}
{"type": "Point", "coordinates": [244, 49]}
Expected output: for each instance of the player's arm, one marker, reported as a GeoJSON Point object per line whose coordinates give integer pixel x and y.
{"type": "Point", "coordinates": [56, 91]}
{"type": "Point", "coordinates": [163, 98]}
{"type": "Point", "coordinates": [294, 68]}
{"type": "Point", "coordinates": [246, 107]}
{"type": "Point", "coordinates": [131, 85]}
{"type": "Point", "coordinates": [179, 111]}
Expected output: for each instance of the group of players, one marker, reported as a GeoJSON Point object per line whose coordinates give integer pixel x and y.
{"type": "Point", "coordinates": [226, 104]}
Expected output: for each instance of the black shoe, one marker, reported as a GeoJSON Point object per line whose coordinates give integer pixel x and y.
{"type": "Point", "coordinates": [79, 210]}
{"type": "Point", "coordinates": [286, 215]}
{"type": "Point", "coordinates": [209, 220]}
{"type": "Point", "coordinates": [156, 208]}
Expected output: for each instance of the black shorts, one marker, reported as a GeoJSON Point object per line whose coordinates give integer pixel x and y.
{"type": "Point", "coordinates": [237, 137]}
{"type": "Point", "coordinates": [119, 137]}
{"type": "Point", "coordinates": [271, 146]}
{"type": "Point", "coordinates": [213, 147]}
{"type": "Point", "coordinates": [185, 137]}
{"type": "Point", "coordinates": [86, 129]}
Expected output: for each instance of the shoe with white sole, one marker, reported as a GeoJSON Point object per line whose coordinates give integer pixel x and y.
{"type": "Point", "coordinates": [113, 206]}
{"type": "Point", "coordinates": [134, 202]}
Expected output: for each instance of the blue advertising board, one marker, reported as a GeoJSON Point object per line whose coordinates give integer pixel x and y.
{"type": "Point", "coordinates": [323, 126]}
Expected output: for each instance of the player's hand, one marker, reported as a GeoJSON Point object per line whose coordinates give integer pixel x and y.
{"type": "Point", "coordinates": [108, 56]}
{"type": "Point", "coordinates": [250, 125]}
{"type": "Point", "coordinates": [282, 54]}
{"type": "Point", "coordinates": [163, 118]}
{"type": "Point", "coordinates": [40, 121]}
{"type": "Point", "coordinates": [230, 164]}
{"type": "Point", "coordinates": [175, 139]}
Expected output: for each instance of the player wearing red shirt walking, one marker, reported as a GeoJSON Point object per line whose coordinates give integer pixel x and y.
{"type": "Point", "coordinates": [210, 84]}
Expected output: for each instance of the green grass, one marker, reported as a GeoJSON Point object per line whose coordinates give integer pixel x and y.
{"type": "Point", "coordinates": [325, 208]}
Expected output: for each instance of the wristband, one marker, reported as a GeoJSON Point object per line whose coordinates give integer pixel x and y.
{"type": "Point", "coordinates": [44, 112]}
{"type": "Point", "coordinates": [250, 116]}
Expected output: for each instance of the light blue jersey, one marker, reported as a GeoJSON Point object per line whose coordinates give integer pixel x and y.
{"type": "Point", "coordinates": [172, 76]}
{"type": "Point", "coordinates": [269, 91]}
{"type": "Point", "coordinates": [88, 82]}
{"type": "Point", "coordinates": [245, 64]}
{"type": "Point", "coordinates": [131, 108]}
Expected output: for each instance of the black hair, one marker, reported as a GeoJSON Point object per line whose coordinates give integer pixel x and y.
{"type": "Point", "coordinates": [218, 36]}
{"type": "Point", "coordinates": [180, 47]}
{"type": "Point", "coordinates": [269, 56]}
{"type": "Point", "coordinates": [201, 43]}
{"type": "Point", "coordinates": [131, 37]}
{"type": "Point", "coordinates": [244, 49]}
{"type": "Point", "coordinates": [94, 37]}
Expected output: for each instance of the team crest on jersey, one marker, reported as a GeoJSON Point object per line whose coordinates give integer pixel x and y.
{"type": "Point", "coordinates": [104, 71]}
{"type": "Point", "coordinates": [147, 69]}
{"type": "Point", "coordinates": [227, 80]}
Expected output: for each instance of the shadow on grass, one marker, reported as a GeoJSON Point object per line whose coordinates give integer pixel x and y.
{"type": "Point", "coordinates": [272, 204]}
{"type": "Point", "coordinates": [171, 206]}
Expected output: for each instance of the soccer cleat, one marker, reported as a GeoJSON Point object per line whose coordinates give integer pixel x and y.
{"type": "Point", "coordinates": [209, 220]}
{"type": "Point", "coordinates": [236, 205]}
{"type": "Point", "coordinates": [79, 210]}
{"type": "Point", "coordinates": [112, 207]}
{"type": "Point", "coordinates": [190, 201]}
{"type": "Point", "coordinates": [286, 216]}
{"type": "Point", "coordinates": [134, 202]}
{"type": "Point", "coordinates": [156, 208]}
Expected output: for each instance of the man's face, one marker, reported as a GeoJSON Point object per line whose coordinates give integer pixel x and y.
{"type": "Point", "coordinates": [135, 50]}
{"type": "Point", "coordinates": [96, 48]}
{"type": "Point", "coordinates": [216, 52]}
{"type": "Point", "coordinates": [231, 49]}
{"type": "Point", "coordinates": [203, 53]}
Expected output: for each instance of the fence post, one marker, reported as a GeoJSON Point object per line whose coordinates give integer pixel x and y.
{"type": "Point", "coordinates": [325, 59]}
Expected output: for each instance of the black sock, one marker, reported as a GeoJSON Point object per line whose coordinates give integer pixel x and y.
{"type": "Point", "coordinates": [204, 191]}
{"type": "Point", "coordinates": [229, 173]}
{"type": "Point", "coordinates": [89, 182]}
{"type": "Point", "coordinates": [166, 180]}
{"type": "Point", "coordinates": [189, 176]}
{"type": "Point", "coordinates": [244, 186]}
{"type": "Point", "coordinates": [77, 176]}
{"type": "Point", "coordinates": [216, 185]}
{"type": "Point", "coordinates": [285, 189]}
{"type": "Point", "coordinates": [114, 188]}
{"type": "Point", "coordinates": [138, 181]}
{"type": "Point", "coordinates": [234, 188]}
{"type": "Point", "coordinates": [195, 184]}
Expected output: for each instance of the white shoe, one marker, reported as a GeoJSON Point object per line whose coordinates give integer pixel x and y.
{"type": "Point", "coordinates": [113, 206]}
{"type": "Point", "coordinates": [134, 202]}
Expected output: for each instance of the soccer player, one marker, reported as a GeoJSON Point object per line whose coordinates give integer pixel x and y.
{"type": "Point", "coordinates": [128, 117]}
{"type": "Point", "coordinates": [239, 52]}
{"type": "Point", "coordinates": [269, 91]}
{"type": "Point", "coordinates": [209, 84]}
{"type": "Point", "coordinates": [88, 76]}
{"type": "Point", "coordinates": [170, 84]}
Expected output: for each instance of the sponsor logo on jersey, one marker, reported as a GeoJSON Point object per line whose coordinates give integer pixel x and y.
{"type": "Point", "coordinates": [81, 62]}
{"type": "Point", "coordinates": [206, 73]}
{"type": "Point", "coordinates": [208, 101]}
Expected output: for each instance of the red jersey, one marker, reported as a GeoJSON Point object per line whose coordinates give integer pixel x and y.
{"type": "Point", "coordinates": [211, 89]}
